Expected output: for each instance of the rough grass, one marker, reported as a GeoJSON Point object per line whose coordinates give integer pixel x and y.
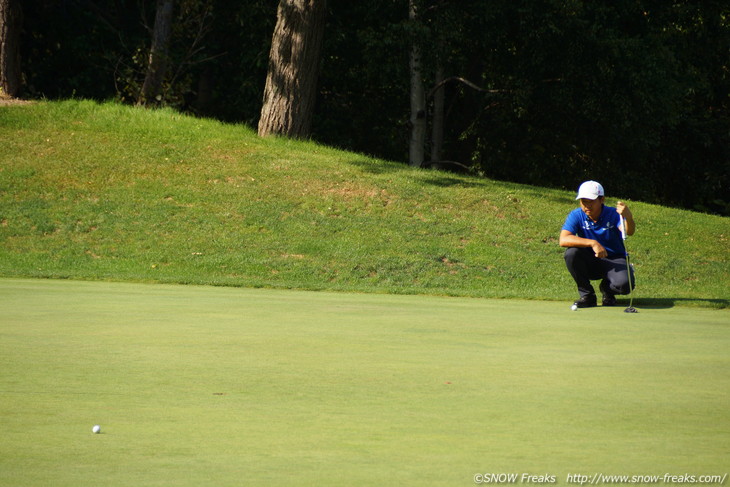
{"type": "Point", "coordinates": [109, 192]}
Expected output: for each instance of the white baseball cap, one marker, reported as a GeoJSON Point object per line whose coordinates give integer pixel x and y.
{"type": "Point", "coordinates": [590, 190]}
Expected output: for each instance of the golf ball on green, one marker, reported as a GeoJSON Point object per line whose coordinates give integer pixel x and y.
{"type": "Point", "coordinates": [574, 307]}
{"type": "Point", "coordinates": [96, 429]}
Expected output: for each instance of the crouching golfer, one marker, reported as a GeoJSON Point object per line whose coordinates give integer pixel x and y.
{"type": "Point", "coordinates": [595, 248]}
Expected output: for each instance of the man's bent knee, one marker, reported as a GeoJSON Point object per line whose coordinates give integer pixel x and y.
{"type": "Point", "coordinates": [571, 253]}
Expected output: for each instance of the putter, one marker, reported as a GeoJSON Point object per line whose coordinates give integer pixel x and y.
{"type": "Point", "coordinates": [630, 309]}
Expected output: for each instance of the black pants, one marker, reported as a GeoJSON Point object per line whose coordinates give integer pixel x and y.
{"type": "Point", "coordinates": [585, 267]}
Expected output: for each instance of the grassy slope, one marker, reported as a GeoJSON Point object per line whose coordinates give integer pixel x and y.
{"type": "Point", "coordinates": [90, 191]}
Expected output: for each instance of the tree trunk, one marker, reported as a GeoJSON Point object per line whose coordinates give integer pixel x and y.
{"type": "Point", "coordinates": [158, 59]}
{"type": "Point", "coordinates": [437, 120]}
{"type": "Point", "coordinates": [291, 82]}
{"type": "Point", "coordinates": [10, 25]}
{"type": "Point", "coordinates": [418, 101]}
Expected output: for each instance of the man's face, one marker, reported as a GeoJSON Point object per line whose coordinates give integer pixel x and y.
{"type": "Point", "coordinates": [592, 208]}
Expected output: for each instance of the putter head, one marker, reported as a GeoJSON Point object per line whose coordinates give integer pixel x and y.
{"type": "Point", "coordinates": [630, 309]}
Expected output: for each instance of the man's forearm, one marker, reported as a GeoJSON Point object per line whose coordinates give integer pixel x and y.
{"type": "Point", "coordinates": [568, 239]}
{"type": "Point", "coordinates": [630, 225]}
{"type": "Point", "coordinates": [575, 241]}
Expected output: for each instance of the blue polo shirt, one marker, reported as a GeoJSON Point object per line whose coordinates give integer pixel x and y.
{"type": "Point", "coordinates": [605, 231]}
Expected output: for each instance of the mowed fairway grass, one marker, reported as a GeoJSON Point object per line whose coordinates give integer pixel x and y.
{"type": "Point", "coordinates": [215, 386]}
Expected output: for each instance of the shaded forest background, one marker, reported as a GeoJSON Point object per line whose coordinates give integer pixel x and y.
{"type": "Point", "coordinates": [633, 93]}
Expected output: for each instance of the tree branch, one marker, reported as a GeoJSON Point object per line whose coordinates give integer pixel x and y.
{"type": "Point", "coordinates": [463, 81]}
{"type": "Point", "coordinates": [474, 86]}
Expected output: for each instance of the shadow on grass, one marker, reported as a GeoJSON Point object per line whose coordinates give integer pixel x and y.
{"type": "Point", "coordinates": [371, 167]}
{"type": "Point", "coordinates": [446, 181]}
{"type": "Point", "coordinates": [445, 178]}
{"type": "Point", "coordinates": [436, 178]}
{"type": "Point", "coordinates": [664, 303]}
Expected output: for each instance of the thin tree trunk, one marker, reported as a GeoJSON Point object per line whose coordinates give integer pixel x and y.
{"type": "Point", "coordinates": [10, 25]}
{"type": "Point", "coordinates": [437, 123]}
{"type": "Point", "coordinates": [158, 59]}
{"type": "Point", "coordinates": [416, 148]}
{"type": "Point", "coordinates": [291, 82]}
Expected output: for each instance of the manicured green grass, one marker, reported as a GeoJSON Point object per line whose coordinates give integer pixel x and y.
{"type": "Point", "coordinates": [211, 386]}
{"type": "Point", "coordinates": [108, 192]}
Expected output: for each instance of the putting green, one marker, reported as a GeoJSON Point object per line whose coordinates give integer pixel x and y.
{"type": "Point", "coordinates": [216, 386]}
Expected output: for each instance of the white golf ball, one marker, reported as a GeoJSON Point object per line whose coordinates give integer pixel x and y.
{"type": "Point", "coordinates": [574, 307]}
{"type": "Point", "coordinates": [96, 429]}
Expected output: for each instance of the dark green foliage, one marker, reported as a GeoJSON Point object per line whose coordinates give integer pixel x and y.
{"type": "Point", "coordinates": [363, 103]}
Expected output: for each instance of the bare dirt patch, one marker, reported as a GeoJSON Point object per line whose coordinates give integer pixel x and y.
{"type": "Point", "coordinates": [7, 100]}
